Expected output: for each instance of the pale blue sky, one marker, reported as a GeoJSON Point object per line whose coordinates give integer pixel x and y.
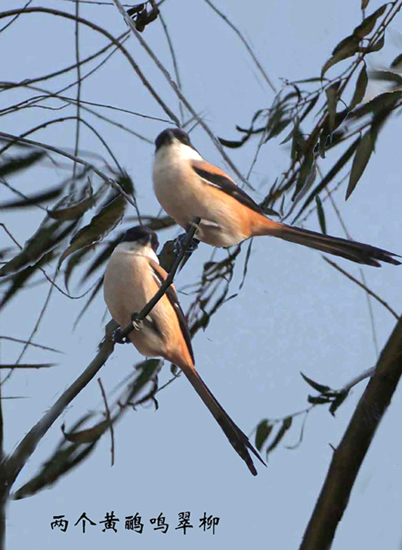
{"type": "Point", "coordinates": [294, 314]}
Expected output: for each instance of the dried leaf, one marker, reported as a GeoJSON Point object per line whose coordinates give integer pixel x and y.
{"type": "Point", "coordinates": [73, 211]}
{"type": "Point", "coordinates": [100, 226]}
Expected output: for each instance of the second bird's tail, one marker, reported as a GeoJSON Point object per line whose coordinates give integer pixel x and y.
{"type": "Point", "coordinates": [236, 437]}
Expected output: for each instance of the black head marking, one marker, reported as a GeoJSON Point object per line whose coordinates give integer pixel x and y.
{"type": "Point", "coordinates": [142, 234]}
{"type": "Point", "coordinates": [167, 136]}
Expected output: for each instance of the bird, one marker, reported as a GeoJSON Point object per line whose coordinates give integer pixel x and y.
{"type": "Point", "coordinates": [187, 186]}
{"type": "Point", "coordinates": [132, 278]}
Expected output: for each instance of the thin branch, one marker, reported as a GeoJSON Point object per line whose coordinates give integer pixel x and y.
{"type": "Point", "coordinates": [25, 449]}
{"type": "Point", "coordinates": [363, 286]}
{"type": "Point", "coordinates": [79, 84]}
{"type": "Point", "coordinates": [246, 44]}
{"type": "Point", "coordinates": [144, 80]}
{"type": "Point", "coordinates": [348, 457]}
{"type": "Point", "coordinates": [108, 419]}
{"type": "Point", "coordinates": [174, 60]}
{"type": "Point", "coordinates": [19, 341]}
{"type": "Point", "coordinates": [178, 92]}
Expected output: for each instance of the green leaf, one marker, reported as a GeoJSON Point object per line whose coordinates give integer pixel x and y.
{"type": "Point", "coordinates": [361, 158]}
{"type": "Point", "coordinates": [321, 214]}
{"type": "Point", "coordinates": [49, 234]}
{"type": "Point", "coordinates": [337, 402]}
{"type": "Point", "coordinates": [376, 47]}
{"type": "Point", "coordinates": [360, 90]}
{"type": "Point", "coordinates": [33, 200]}
{"type": "Point", "coordinates": [264, 428]}
{"type": "Point", "coordinates": [365, 4]}
{"type": "Point", "coordinates": [21, 278]}
{"type": "Point", "coordinates": [348, 47]}
{"type": "Point", "coordinates": [286, 424]}
{"type": "Point", "coordinates": [319, 387]}
{"type": "Point", "coordinates": [386, 76]}
{"type": "Point", "coordinates": [397, 62]}
{"type": "Point", "coordinates": [306, 173]}
{"type": "Point", "coordinates": [17, 164]}
{"type": "Point", "coordinates": [332, 100]}
{"type": "Point", "coordinates": [368, 24]}
{"type": "Point", "coordinates": [330, 176]}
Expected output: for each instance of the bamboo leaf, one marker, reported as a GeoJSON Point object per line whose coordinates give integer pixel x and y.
{"type": "Point", "coordinates": [332, 100]}
{"type": "Point", "coordinates": [321, 214]}
{"type": "Point", "coordinates": [319, 387]}
{"type": "Point", "coordinates": [360, 90]}
{"type": "Point", "coordinates": [330, 176]}
{"type": "Point", "coordinates": [264, 428]}
{"type": "Point", "coordinates": [368, 24]}
{"type": "Point", "coordinates": [348, 47]}
{"type": "Point", "coordinates": [397, 62]}
{"type": "Point", "coordinates": [16, 164]}
{"type": "Point", "coordinates": [361, 158]}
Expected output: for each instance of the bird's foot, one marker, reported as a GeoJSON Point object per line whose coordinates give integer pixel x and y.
{"type": "Point", "coordinates": [137, 324]}
{"type": "Point", "coordinates": [118, 338]}
{"type": "Point", "coordinates": [191, 247]}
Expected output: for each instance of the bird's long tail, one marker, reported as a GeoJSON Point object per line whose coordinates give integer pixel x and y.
{"type": "Point", "coordinates": [351, 250]}
{"type": "Point", "coordinates": [236, 437]}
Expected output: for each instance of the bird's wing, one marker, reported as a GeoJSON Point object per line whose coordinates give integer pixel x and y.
{"type": "Point", "coordinates": [160, 276]}
{"type": "Point", "coordinates": [212, 175]}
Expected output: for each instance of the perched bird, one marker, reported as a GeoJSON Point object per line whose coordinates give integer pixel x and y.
{"type": "Point", "coordinates": [133, 276]}
{"type": "Point", "coordinates": [187, 186]}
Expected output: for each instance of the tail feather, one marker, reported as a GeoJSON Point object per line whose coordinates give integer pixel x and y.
{"type": "Point", "coordinates": [351, 250]}
{"type": "Point", "coordinates": [236, 437]}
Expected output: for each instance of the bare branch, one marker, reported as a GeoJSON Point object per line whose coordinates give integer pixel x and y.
{"type": "Point", "coordinates": [349, 455]}
{"type": "Point", "coordinates": [108, 418]}
{"type": "Point", "coordinates": [363, 286]}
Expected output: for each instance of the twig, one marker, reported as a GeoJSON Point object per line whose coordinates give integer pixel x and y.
{"type": "Point", "coordinates": [246, 44]}
{"type": "Point", "coordinates": [178, 92]}
{"type": "Point", "coordinates": [108, 419]}
{"type": "Point", "coordinates": [103, 176]}
{"type": "Point", "coordinates": [363, 286]}
{"type": "Point", "coordinates": [348, 457]}
{"type": "Point", "coordinates": [19, 341]}
{"type": "Point", "coordinates": [95, 27]}
{"type": "Point", "coordinates": [168, 281]}
{"type": "Point", "coordinates": [20, 456]}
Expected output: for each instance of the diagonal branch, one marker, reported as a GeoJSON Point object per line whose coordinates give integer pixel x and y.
{"type": "Point", "coordinates": [349, 456]}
